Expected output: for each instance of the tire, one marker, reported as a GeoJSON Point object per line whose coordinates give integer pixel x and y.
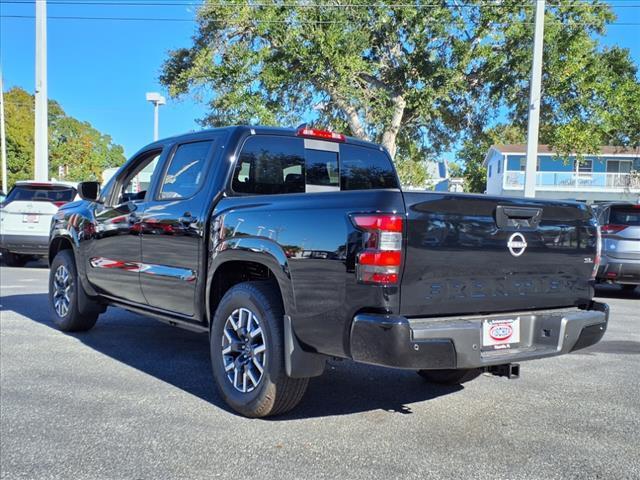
{"type": "Point", "coordinates": [628, 288]}
{"type": "Point", "coordinates": [248, 326]}
{"type": "Point", "coordinates": [64, 296]}
{"type": "Point", "coordinates": [14, 259]}
{"type": "Point", "coordinates": [450, 377]}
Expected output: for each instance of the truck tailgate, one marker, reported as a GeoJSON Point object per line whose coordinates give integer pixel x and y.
{"type": "Point", "coordinates": [475, 254]}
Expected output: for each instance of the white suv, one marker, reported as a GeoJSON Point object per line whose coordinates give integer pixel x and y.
{"type": "Point", "coordinates": [25, 218]}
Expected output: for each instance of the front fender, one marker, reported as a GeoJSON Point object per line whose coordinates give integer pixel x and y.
{"type": "Point", "coordinates": [76, 227]}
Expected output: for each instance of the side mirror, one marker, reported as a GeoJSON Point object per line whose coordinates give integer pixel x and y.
{"type": "Point", "coordinates": [89, 191]}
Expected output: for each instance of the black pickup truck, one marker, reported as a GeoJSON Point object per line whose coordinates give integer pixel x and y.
{"type": "Point", "coordinates": [289, 247]}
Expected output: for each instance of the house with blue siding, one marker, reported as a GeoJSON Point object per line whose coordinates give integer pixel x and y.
{"type": "Point", "coordinates": [610, 174]}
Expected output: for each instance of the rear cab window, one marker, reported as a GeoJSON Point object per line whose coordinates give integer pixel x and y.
{"type": "Point", "coordinates": [364, 168]}
{"type": "Point", "coordinates": [41, 193]}
{"type": "Point", "coordinates": [270, 164]}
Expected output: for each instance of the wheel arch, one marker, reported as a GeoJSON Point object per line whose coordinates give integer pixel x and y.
{"type": "Point", "coordinates": [58, 244]}
{"type": "Point", "coordinates": [231, 267]}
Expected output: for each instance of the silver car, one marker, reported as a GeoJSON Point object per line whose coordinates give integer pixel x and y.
{"type": "Point", "coordinates": [620, 228]}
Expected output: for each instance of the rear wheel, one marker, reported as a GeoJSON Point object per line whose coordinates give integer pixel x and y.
{"type": "Point", "coordinates": [14, 259]}
{"type": "Point", "coordinates": [247, 352]}
{"type": "Point", "coordinates": [64, 292]}
{"type": "Point", "coordinates": [450, 377]}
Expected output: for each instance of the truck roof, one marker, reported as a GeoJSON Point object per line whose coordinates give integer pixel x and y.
{"type": "Point", "coordinates": [260, 130]}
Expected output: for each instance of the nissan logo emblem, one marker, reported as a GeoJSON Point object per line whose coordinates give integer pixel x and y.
{"type": "Point", "coordinates": [517, 244]}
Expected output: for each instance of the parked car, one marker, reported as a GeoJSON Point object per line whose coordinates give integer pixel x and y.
{"type": "Point", "coordinates": [25, 218]}
{"type": "Point", "coordinates": [620, 227]}
{"type": "Point", "coordinates": [289, 247]}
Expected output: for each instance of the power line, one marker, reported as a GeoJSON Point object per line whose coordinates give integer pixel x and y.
{"type": "Point", "coordinates": [286, 22]}
{"type": "Point", "coordinates": [484, 4]}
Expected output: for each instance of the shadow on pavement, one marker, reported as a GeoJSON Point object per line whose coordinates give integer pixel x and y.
{"type": "Point", "coordinates": [616, 291]}
{"type": "Point", "coordinates": [35, 262]}
{"type": "Point", "coordinates": [181, 358]}
{"type": "Point", "coordinates": [625, 347]}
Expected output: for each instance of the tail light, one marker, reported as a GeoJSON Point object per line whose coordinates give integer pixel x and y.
{"type": "Point", "coordinates": [320, 134]}
{"type": "Point", "coordinates": [612, 228]}
{"type": "Point", "coordinates": [58, 204]}
{"type": "Point", "coordinates": [598, 260]}
{"type": "Point", "coordinates": [381, 259]}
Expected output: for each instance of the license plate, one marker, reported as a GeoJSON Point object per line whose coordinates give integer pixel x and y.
{"type": "Point", "coordinates": [30, 218]}
{"type": "Point", "coordinates": [500, 334]}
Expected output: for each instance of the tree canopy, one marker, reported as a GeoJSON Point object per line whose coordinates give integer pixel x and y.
{"type": "Point", "coordinates": [420, 77]}
{"type": "Point", "coordinates": [77, 147]}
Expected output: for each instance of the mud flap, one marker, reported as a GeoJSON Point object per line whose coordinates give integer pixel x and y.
{"type": "Point", "coordinates": [298, 363]}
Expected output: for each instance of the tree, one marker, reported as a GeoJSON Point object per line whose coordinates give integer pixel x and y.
{"type": "Point", "coordinates": [81, 151]}
{"type": "Point", "coordinates": [419, 77]}
{"type": "Point", "coordinates": [474, 150]}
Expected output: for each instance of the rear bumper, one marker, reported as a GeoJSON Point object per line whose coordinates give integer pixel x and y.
{"type": "Point", "coordinates": [455, 342]}
{"type": "Point", "coordinates": [619, 270]}
{"type": "Point", "coordinates": [27, 244]}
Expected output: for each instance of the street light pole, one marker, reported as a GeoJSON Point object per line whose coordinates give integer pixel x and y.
{"type": "Point", "coordinates": [156, 99]}
{"type": "Point", "coordinates": [41, 160]}
{"type": "Point", "coordinates": [155, 121]}
{"type": "Point", "coordinates": [534, 103]}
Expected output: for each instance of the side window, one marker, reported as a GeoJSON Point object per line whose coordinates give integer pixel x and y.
{"type": "Point", "coordinates": [134, 185]}
{"type": "Point", "coordinates": [185, 172]}
{"type": "Point", "coordinates": [365, 168]}
{"type": "Point", "coordinates": [322, 171]}
{"type": "Point", "coordinates": [270, 165]}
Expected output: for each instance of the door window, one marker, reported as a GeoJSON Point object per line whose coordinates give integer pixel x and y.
{"type": "Point", "coordinates": [185, 172]}
{"type": "Point", "coordinates": [136, 181]}
{"type": "Point", "coordinates": [619, 166]}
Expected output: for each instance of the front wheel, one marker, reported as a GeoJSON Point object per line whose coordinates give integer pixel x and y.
{"type": "Point", "coordinates": [247, 352]}
{"type": "Point", "coordinates": [450, 377]}
{"type": "Point", "coordinates": [64, 292]}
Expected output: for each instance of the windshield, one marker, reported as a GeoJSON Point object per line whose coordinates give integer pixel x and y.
{"type": "Point", "coordinates": [625, 215]}
{"type": "Point", "coordinates": [41, 193]}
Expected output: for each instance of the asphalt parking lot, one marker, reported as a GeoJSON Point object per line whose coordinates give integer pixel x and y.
{"type": "Point", "coordinates": [133, 399]}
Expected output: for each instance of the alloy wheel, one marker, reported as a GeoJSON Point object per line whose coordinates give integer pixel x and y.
{"type": "Point", "coordinates": [244, 350]}
{"type": "Point", "coordinates": [62, 283]}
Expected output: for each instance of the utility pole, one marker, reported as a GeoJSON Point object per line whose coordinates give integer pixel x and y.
{"type": "Point", "coordinates": [157, 100]}
{"type": "Point", "coordinates": [41, 160]}
{"type": "Point", "coordinates": [3, 140]}
{"type": "Point", "coordinates": [534, 103]}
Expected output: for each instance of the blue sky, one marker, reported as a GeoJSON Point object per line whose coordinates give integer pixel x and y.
{"type": "Point", "coordinates": [99, 70]}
